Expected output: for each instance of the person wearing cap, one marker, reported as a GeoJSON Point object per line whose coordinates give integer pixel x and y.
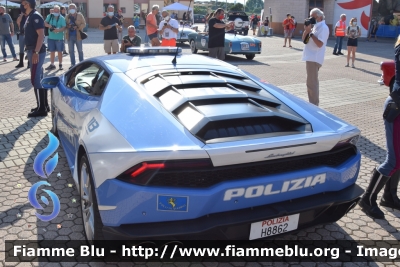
{"type": "Point", "coordinates": [121, 20]}
{"type": "Point", "coordinates": [110, 25]}
{"type": "Point", "coordinates": [36, 50]}
{"type": "Point", "coordinates": [21, 39]}
{"type": "Point", "coordinates": [168, 29]}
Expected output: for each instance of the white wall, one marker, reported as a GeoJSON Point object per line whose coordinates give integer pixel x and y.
{"type": "Point", "coordinates": [297, 8]}
{"type": "Point", "coordinates": [95, 9]}
{"type": "Point", "coordinates": [128, 4]}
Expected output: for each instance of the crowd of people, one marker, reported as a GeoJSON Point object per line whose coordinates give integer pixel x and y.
{"type": "Point", "coordinates": [62, 28]}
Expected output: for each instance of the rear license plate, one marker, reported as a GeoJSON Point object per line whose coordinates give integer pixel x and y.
{"type": "Point", "coordinates": [274, 226]}
{"type": "Point", "coordinates": [245, 46]}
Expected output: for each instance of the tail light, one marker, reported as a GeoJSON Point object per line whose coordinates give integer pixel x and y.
{"type": "Point", "coordinates": [346, 141]}
{"type": "Point", "coordinates": [143, 172]}
{"type": "Point", "coordinates": [260, 44]}
{"type": "Point", "coordinates": [230, 44]}
{"type": "Point", "coordinates": [246, 27]}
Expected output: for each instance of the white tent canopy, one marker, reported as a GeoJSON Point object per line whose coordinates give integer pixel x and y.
{"type": "Point", "coordinates": [9, 3]}
{"type": "Point", "coordinates": [179, 7]}
{"type": "Point", "coordinates": [52, 4]}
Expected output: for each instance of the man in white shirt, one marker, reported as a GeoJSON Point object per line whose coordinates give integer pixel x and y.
{"type": "Point", "coordinates": [315, 39]}
{"type": "Point", "coordinates": [168, 29]}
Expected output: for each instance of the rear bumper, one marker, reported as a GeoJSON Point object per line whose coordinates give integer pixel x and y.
{"type": "Point", "coordinates": [314, 210]}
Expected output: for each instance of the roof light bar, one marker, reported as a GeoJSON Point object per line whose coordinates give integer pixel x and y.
{"type": "Point", "coordinates": [154, 50]}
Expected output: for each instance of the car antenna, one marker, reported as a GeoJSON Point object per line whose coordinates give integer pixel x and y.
{"type": "Point", "coordinates": [176, 52]}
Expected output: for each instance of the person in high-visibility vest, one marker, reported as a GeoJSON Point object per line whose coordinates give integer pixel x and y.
{"type": "Point", "coordinates": [340, 33]}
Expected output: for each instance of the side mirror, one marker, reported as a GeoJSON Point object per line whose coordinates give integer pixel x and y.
{"type": "Point", "coordinates": [50, 82]}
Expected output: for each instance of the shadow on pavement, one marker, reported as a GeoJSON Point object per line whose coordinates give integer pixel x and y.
{"type": "Point", "coordinates": [25, 85]}
{"type": "Point", "coordinates": [370, 150]}
{"type": "Point", "coordinates": [9, 76]}
{"type": "Point", "coordinates": [366, 61]}
{"type": "Point", "coordinates": [377, 74]}
{"type": "Point", "coordinates": [15, 134]}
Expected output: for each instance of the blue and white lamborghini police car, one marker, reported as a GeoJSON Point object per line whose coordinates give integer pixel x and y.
{"type": "Point", "coordinates": [198, 149]}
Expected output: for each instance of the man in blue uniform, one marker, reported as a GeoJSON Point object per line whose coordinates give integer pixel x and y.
{"type": "Point", "coordinates": [36, 51]}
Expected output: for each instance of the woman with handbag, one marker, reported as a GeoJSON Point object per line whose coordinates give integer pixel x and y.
{"type": "Point", "coordinates": [387, 174]}
{"type": "Point", "coordinates": [74, 33]}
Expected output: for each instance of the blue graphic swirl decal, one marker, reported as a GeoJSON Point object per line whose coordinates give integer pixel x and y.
{"type": "Point", "coordinates": [44, 154]}
{"type": "Point", "coordinates": [32, 199]}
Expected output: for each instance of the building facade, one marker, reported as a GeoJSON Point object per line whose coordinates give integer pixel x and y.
{"type": "Point", "coordinates": [332, 9]}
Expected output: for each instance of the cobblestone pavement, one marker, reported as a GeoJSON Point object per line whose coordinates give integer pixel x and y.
{"type": "Point", "coordinates": [352, 94]}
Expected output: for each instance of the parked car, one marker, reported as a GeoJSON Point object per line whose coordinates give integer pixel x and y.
{"type": "Point", "coordinates": [241, 21]}
{"type": "Point", "coordinates": [388, 72]}
{"type": "Point", "coordinates": [234, 44]}
{"type": "Point", "coordinates": [197, 149]}
{"type": "Point", "coordinates": [199, 18]}
{"type": "Point", "coordinates": [183, 34]}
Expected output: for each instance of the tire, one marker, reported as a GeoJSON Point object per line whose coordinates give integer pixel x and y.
{"type": "Point", "coordinates": [250, 57]}
{"type": "Point", "coordinates": [193, 47]}
{"type": "Point", "coordinates": [53, 117]}
{"type": "Point", "coordinates": [246, 33]}
{"type": "Point", "coordinates": [89, 207]}
{"type": "Point", "coordinates": [391, 86]}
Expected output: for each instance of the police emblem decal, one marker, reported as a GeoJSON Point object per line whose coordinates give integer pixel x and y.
{"type": "Point", "coordinates": [172, 203]}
